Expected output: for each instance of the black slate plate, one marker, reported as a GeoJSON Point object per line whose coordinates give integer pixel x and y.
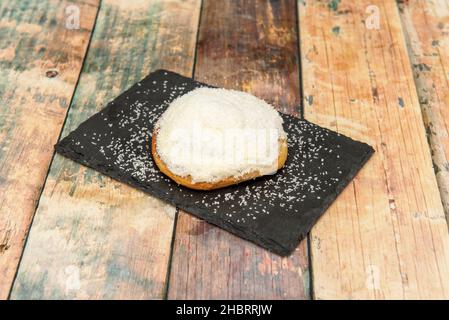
{"type": "Point", "coordinates": [275, 212]}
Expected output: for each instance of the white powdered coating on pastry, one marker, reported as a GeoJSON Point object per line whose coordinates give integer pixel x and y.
{"type": "Point", "coordinates": [210, 134]}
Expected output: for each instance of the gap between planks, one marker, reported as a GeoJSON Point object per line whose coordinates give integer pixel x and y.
{"type": "Point", "coordinates": [425, 27]}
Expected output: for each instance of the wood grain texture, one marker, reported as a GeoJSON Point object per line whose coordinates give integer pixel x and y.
{"type": "Point", "coordinates": [386, 235]}
{"type": "Point", "coordinates": [251, 46]}
{"type": "Point", "coordinates": [426, 27]}
{"type": "Point", "coordinates": [40, 61]}
{"type": "Point", "coordinates": [93, 237]}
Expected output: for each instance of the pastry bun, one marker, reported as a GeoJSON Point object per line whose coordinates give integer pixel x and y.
{"type": "Point", "coordinates": [187, 180]}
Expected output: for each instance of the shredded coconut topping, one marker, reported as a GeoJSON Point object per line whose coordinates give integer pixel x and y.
{"type": "Point", "coordinates": [211, 134]}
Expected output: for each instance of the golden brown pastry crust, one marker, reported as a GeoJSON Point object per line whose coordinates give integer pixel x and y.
{"type": "Point", "coordinates": [187, 181]}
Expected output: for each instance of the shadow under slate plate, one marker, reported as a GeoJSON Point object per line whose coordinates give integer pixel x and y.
{"type": "Point", "coordinates": [275, 211]}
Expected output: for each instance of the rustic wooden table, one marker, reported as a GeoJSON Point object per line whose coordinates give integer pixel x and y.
{"type": "Point", "coordinates": [375, 70]}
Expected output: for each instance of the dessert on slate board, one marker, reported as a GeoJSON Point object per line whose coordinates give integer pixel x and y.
{"type": "Point", "coordinates": [273, 211]}
{"type": "Point", "coordinates": [211, 138]}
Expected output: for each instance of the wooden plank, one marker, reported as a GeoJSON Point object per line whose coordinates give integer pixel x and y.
{"type": "Point", "coordinates": [386, 235]}
{"type": "Point", "coordinates": [426, 28]}
{"type": "Point", "coordinates": [93, 237]}
{"type": "Point", "coordinates": [40, 61]}
{"type": "Point", "coordinates": [252, 46]}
